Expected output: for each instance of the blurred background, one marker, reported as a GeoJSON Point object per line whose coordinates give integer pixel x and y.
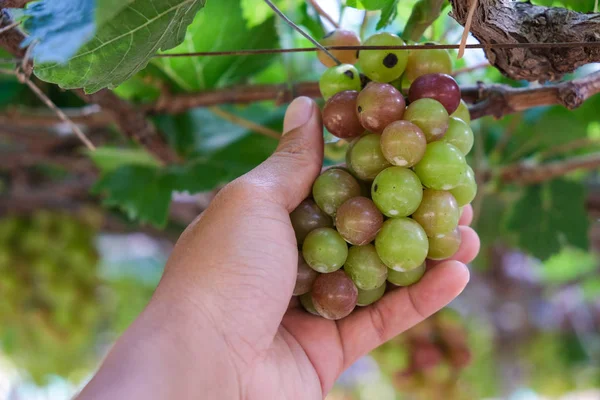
{"type": "Point", "coordinates": [74, 273]}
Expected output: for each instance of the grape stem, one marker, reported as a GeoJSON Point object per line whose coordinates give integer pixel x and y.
{"type": "Point", "coordinates": [301, 31]}
{"type": "Point", "coordinates": [323, 13]}
{"type": "Point", "coordinates": [424, 13]}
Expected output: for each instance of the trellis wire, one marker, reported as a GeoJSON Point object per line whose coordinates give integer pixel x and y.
{"type": "Point", "coordinates": [557, 45]}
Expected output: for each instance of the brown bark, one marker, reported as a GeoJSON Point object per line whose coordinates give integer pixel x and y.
{"type": "Point", "coordinates": [506, 21]}
{"type": "Point", "coordinates": [13, 3]}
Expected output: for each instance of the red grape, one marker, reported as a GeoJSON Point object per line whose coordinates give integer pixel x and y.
{"type": "Point", "coordinates": [305, 277]}
{"type": "Point", "coordinates": [334, 295]}
{"type": "Point", "coordinates": [339, 115]}
{"type": "Point", "coordinates": [378, 105]}
{"type": "Point", "coordinates": [358, 220]}
{"type": "Point", "coordinates": [440, 87]}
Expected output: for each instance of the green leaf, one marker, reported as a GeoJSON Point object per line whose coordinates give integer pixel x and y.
{"type": "Point", "coordinates": [108, 159]}
{"type": "Point", "coordinates": [550, 216]}
{"type": "Point", "coordinates": [257, 12]}
{"type": "Point", "coordinates": [220, 27]}
{"type": "Point", "coordinates": [59, 28]}
{"type": "Point", "coordinates": [141, 192]}
{"type": "Point", "coordinates": [369, 4]}
{"type": "Point", "coordinates": [124, 44]}
{"type": "Point", "coordinates": [388, 14]}
{"type": "Point", "coordinates": [569, 264]}
{"type": "Point", "coordinates": [311, 20]}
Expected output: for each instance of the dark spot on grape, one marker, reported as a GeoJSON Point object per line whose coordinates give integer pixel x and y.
{"type": "Point", "coordinates": [349, 74]}
{"type": "Point", "coordinates": [357, 53]}
{"type": "Point", "coordinates": [359, 109]}
{"type": "Point", "coordinates": [329, 34]}
{"type": "Point", "coordinates": [375, 188]}
{"type": "Point", "coordinates": [390, 60]}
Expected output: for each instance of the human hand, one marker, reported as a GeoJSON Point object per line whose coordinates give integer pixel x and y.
{"type": "Point", "coordinates": [221, 322]}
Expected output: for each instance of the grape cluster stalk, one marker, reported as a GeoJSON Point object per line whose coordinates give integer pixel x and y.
{"type": "Point", "coordinates": [51, 309]}
{"type": "Point", "coordinates": [372, 224]}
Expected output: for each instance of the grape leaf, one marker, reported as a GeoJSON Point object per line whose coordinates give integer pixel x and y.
{"type": "Point", "coordinates": [108, 159]}
{"type": "Point", "coordinates": [388, 14]}
{"type": "Point", "coordinates": [221, 26]}
{"type": "Point", "coordinates": [569, 264]}
{"type": "Point", "coordinates": [59, 28]}
{"type": "Point", "coordinates": [123, 45]}
{"type": "Point", "coordinates": [370, 4]}
{"type": "Point", "coordinates": [549, 216]}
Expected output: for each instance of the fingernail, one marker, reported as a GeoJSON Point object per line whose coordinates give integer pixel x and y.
{"type": "Point", "coordinates": [297, 114]}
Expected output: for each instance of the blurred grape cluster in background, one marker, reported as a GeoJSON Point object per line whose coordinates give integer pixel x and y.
{"type": "Point", "coordinates": [73, 277]}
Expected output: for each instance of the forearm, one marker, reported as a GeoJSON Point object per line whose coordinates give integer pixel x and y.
{"type": "Point", "coordinates": [167, 353]}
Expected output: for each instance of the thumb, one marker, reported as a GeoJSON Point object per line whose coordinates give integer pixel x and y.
{"type": "Point", "coordinates": [290, 171]}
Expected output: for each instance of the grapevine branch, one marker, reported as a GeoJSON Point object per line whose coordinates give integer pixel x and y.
{"type": "Point", "coordinates": [13, 3]}
{"type": "Point", "coordinates": [245, 123]}
{"type": "Point", "coordinates": [512, 22]}
{"type": "Point", "coordinates": [526, 174]}
{"type": "Point", "coordinates": [322, 13]}
{"type": "Point", "coordinates": [423, 14]}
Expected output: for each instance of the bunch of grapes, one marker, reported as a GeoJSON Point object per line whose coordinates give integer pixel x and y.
{"type": "Point", "coordinates": [398, 200]}
{"type": "Point", "coordinates": [426, 361]}
{"type": "Point", "coordinates": [50, 309]}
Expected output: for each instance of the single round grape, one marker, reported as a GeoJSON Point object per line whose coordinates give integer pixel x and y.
{"type": "Point", "coordinates": [466, 190]}
{"type": "Point", "coordinates": [339, 37]}
{"type": "Point", "coordinates": [440, 87]}
{"type": "Point", "coordinates": [442, 167]}
{"type": "Point", "coordinates": [378, 105]}
{"type": "Point", "coordinates": [339, 115]}
{"type": "Point", "coordinates": [358, 220]}
{"type": "Point", "coordinates": [431, 61]}
{"type": "Point", "coordinates": [325, 250]}
{"type": "Point", "coordinates": [444, 245]}
{"type": "Point", "coordinates": [397, 192]}
{"type": "Point", "coordinates": [429, 115]}
{"type": "Point", "coordinates": [402, 244]}
{"type": "Point", "coordinates": [403, 143]}
{"type": "Point", "coordinates": [460, 135]}
{"type": "Point", "coordinates": [383, 65]}
{"type": "Point", "coordinates": [307, 217]}
{"type": "Point", "coordinates": [438, 212]}
{"type": "Point", "coordinates": [462, 112]}
{"type": "Point", "coordinates": [304, 277]}
{"type": "Point", "coordinates": [406, 278]}
{"type": "Point", "coordinates": [365, 157]}
{"type": "Point", "coordinates": [339, 78]}
{"type": "Point", "coordinates": [366, 297]}
{"type": "Point", "coordinates": [307, 303]}
{"type": "Point", "coordinates": [333, 187]}
{"type": "Point", "coordinates": [334, 295]}
{"type": "Point", "coordinates": [365, 268]}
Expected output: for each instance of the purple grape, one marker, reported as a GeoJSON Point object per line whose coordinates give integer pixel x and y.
{"type": "Point", "coordinates": [334, 295]}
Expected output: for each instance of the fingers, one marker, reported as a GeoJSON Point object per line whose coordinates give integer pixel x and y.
{"type": "Point", "coordinates": [467, 215]}
{"type": "Point", "coordinates": [287, 175]}
{"type": "Point", "coordinates": [400, 309]}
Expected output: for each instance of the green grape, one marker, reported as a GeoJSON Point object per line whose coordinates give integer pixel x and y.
{"type": "Point", "coordinates": [307, 303]}
{"type": "Point", "coordinates": [460, 135]}
{"type": "Point", "coordinates": [365, 157]}
{"type": "Point", "coordinates": [429, 115]}
{"type": "Point", "coordinates": [367, 297]}
{"type": "Point", "coordinates": [334, 295]}
{"type": "Point", "coordinates": [365, 268]}
{"type": "Point", "coordinates": [431, 61]}
{"type": "Point", "coordinates": [443, 166]}
{"type": "Point", "coordinates": [444, 245]}
{"type": "Point", "coordinates": [383, 65]}
{"type": "Point", "coordinates": [406, 278]}
{"type": "Point", "coordinates": [307, 217]}
{"type": "Point", "coordinates": [339, 37]}
{"type": "Point", "coordinates": [462, 112]}
{"type": "Point", "coordinates": [325, 250]}
{"type": "Point", "coordinates": [339, 78]}
{"type": "Point", "coordinates": [403, 143]}
{"type": "Point", "coordinates": [333, 187]}
{"type": "Point", "coordinates": [402, 244]}
{"type": "Point", "coordinates": [358, 220]}
{"type": "Point", "coordinates": [466, 190]}
{"type": "Point", "coordinates": [438, 212]}
{"type": "Point", "coordinates": [305, 277]}
{"type": "Point", "coordinates": [397, 192]}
